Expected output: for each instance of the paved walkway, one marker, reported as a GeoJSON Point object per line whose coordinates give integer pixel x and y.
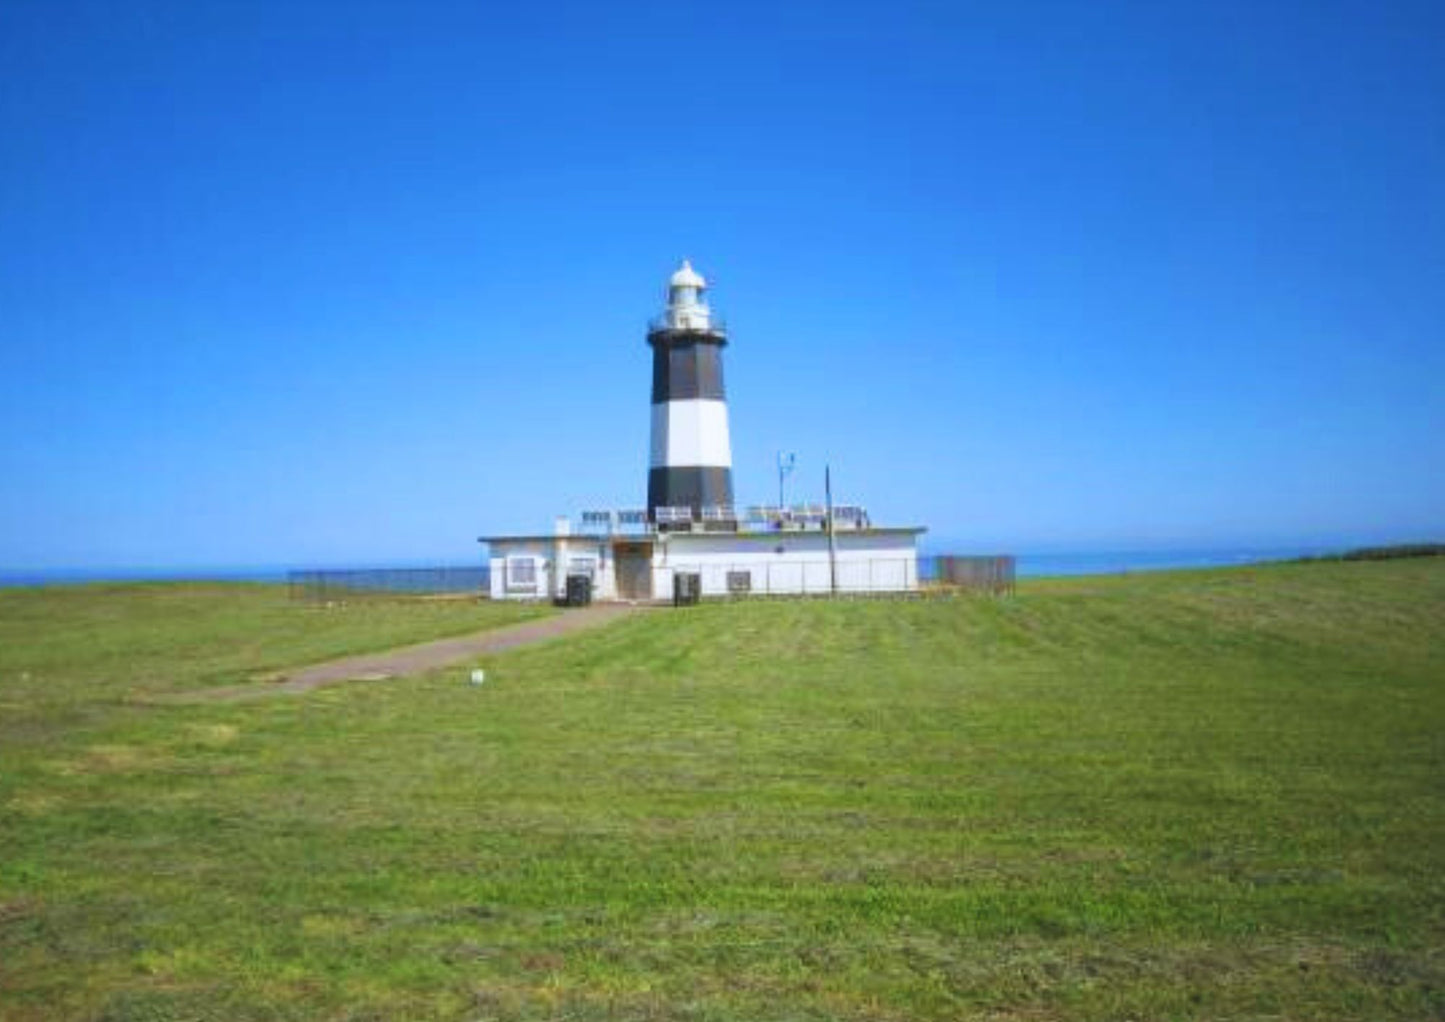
{"type": "Point", "coordinates": [408, 660]}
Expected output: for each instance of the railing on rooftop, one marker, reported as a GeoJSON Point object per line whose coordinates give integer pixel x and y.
{"type": "Point", "coordinates": [715, 325]}
{"type": "Point", "coordinates": [606, 522]}
{"type": "Point", "coordinates": [614, 522]}
{"type": "Point", "coordinates": [808, 516]}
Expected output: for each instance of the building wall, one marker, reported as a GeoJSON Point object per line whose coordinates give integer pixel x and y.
{"type": "Point", "coordinates": [787, 563]}
{"type": "Point", "coordinates": [779, 563]}
{"type": "Point", "coordinates": [552, 560]}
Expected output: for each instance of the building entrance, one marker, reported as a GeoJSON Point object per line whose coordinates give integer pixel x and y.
{"type": "Point", "coordinates": [634, 570]}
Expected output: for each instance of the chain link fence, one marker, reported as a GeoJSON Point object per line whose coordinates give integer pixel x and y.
{"type": "Point", "coordinates": [942, 574]}
{"type": "Point", "coordinates": [993, 575]}
{"type": "Point", "coordinates": [324, 586]}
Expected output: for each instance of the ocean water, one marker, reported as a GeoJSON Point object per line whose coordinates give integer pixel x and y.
{"type": "Point", "coordinates": [81, 576]}
{"type": "Point", "coordinates": [1036, 565]}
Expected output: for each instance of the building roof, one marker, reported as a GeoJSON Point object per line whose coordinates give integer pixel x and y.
{"type": "Point", "coordinates": [548, 537]}
{"type": "Point", "coordinates": [686, 276]}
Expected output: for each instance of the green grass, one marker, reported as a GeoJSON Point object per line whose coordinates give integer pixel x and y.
{"type": "Point", "coordinates": [91, 643]}
{"type": "Point", "coordinates": [1195, 795]}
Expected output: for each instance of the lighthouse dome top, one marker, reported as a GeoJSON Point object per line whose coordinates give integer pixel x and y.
{"type": "Point", "coordinates": [686, 276]}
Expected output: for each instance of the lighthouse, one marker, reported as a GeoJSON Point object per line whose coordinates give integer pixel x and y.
{"type": "Point", "coordinates": [691, 542]}
{"type": "Point", "coordinates": [692, 461]}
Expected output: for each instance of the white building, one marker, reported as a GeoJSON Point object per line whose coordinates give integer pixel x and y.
{"type": "Point", "coordinates": [690, 533]}
{"type": "Point", "coordinates": [784, 560]}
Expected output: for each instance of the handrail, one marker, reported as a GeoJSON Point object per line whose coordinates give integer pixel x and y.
{"type": "Point", "coordinates": [659, 324]}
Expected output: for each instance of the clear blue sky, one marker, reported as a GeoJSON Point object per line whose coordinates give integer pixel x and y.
{"type": "Point", "coordinates": [291, 283]}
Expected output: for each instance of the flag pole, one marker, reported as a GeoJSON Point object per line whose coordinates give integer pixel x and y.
{"type": "Point", "coordinates": [832, 545]}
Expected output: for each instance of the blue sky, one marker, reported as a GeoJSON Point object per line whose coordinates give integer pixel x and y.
{"type": "Point", "coordinates": [310, 283]}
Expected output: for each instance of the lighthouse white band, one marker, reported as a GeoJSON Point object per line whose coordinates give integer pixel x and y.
{"type": "Point", "coordinates": [691, 433]}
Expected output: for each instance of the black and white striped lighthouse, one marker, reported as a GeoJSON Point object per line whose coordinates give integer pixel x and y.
{"type": "Point", "coordinates": [692, 461]}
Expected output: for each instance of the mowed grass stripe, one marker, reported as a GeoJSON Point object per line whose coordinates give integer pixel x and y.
{"type": "Point", "coordinates": [1198, 795]}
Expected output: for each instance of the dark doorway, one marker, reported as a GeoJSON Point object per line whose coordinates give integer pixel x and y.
{"type": "Point", "coordinates": [634, 570]}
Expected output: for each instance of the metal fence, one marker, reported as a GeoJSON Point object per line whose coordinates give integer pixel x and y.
{"type": "Point", "coordinates": [992, 575]}
{"type": "Point", "coordinates": [322, 586]}
{"type": "Point", "coordinates": [848, 577]}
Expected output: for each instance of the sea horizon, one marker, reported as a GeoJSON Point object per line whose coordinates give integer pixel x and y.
{"type": "Point", "coordinates": [1029, 565]}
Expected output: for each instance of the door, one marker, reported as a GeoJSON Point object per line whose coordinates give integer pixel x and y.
{"type": "Point", "coordinates": [634, 570]}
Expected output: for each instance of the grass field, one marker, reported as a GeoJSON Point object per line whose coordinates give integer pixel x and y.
{"type": "Point", "coordinates": [1199, 795]}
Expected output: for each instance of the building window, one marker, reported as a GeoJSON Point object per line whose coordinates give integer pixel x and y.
{"type": "Point", "coordinates": [521, 573]}
{"type": "Point", "coordinates": [740, 583]}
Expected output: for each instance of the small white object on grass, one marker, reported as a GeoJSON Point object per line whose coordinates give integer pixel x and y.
{"type": "Point", "coordinates": [478, 676]}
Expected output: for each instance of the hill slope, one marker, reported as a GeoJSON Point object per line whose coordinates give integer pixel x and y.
{"type": "Point", "coordinates": [1199, 795]}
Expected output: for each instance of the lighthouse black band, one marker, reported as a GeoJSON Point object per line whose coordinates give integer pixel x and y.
{"type": "Point", "coordinates": [690, 486]}
{"type": "Point", "coordinates": [686, 368]}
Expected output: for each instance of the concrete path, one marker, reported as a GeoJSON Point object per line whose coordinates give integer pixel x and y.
{"type": "Point", "coordinates": [408, 660]}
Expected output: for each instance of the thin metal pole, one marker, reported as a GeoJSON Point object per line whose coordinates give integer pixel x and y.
{"type": "Point", "coordinates": [832, 547]}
